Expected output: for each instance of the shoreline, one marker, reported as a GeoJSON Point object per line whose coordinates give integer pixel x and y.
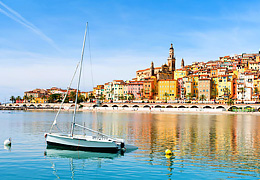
{"type": "Point", "coordinates": [145, 111]}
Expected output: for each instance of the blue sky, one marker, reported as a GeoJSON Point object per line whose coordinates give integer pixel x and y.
{"type": "Point", "coordinates": [41, 41]}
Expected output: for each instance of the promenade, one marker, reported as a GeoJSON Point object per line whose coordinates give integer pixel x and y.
{"type": "Point", "coordinates": [137, 106]}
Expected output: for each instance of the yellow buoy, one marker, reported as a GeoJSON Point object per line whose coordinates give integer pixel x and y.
{"type": "Point", "coordinates": [168, 151]}
{"type": "Point", "coordinates": [168, 156]}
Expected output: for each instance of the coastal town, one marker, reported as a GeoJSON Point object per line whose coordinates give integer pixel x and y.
{"type": "Point", "coordinates": [228, 80]}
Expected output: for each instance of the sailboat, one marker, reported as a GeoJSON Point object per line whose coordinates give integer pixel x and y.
{"type": "Point", "coordinates": [98, 142]}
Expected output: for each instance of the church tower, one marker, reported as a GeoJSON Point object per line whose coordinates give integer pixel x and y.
{"type": "Point", "coordinates": [182, 63]}
{"type": "Point", "coordinates": [152, 69]}
{"type": "Point", "coordinates": [171, 59]}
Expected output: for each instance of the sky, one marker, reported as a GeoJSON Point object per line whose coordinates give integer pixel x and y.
{"type": "Point", "coordinates": [41, 41]}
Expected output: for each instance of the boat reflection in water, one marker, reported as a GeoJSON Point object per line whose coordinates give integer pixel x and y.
{"type": "Point", "coordinates": [52, 151]}
{"type": "Point", "coordinates": [79, 160]}
{"type": "Point", "coordinates": [57, 151]}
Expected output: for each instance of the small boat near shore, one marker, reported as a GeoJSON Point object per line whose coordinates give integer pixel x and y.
{"type": "Point", "coordinates": [98, 142]}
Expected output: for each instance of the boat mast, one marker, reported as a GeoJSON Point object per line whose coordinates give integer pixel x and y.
{"type": "Point", "coordinates": [80, 69]}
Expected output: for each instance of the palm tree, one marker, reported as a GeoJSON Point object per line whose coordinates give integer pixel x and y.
{"type": "Point", "coordinates": [18, 98]}
{"type": "Point", "coordinates": [25, 98]}
{"type": "Point", "coordinates": [91, 97]}
{"type": "Point", "coordinates": [131, 97]}
{"type": "Point", "coordinates": [142, 94]}
{"type": "Point", "coordinates": [81, 98]}
{"type": "Point", "coordinates": [230, 102]}
{"type": "Point", "coordinates": [102, 98]}
{"type": "Point", "coordinates": [44, 98]}
{"type": "Point", "coordinates": [111, 92]}
{"type": "Point", "coordinates": [153, 93]}
{"type": "Point", "coordinates": [72, 96]}
{"type": "Point", "coordinates": [178, 96]}
{"type": "Point", "coordinates": [121, 97]}
{"type": "Point", "coordinates": [30, 98]}
{"type": "Point", "coordinates": [214, 92]}
{"type": "Point", "coordinates": [166, 96]}
{"type": "Point", "coordinates": [202, 97]}
{"type": "Point", "coordinates": [227, 93]}
{"type": "Point", "coordinates": [256, 93]}
{"type": "Point", "coordinates": [243, 91]}
{"type": "Point", "coordinates": [12, 98]}
{"type": "Point", "coordinates": [189, 96]}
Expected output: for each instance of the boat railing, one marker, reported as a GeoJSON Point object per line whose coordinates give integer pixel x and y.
{"type": "Point", "coordinates": [101, 135]}
{"type": "Point", "coordinates": [100, 138]}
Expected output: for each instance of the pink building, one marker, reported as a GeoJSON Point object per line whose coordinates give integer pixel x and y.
{"type": "Point", "coordinates": [135, 88]}
{"type": "Point", "coordinates": [181, 91]}
{"type": "Point", "coordinates": [19, 101]}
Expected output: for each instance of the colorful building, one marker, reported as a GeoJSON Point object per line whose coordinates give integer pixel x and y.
{"type": "Point", "coordinates": [167, 89]}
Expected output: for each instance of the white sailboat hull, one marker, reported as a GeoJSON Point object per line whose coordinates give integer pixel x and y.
{"type": "Point", "coordinates": [86, 143]}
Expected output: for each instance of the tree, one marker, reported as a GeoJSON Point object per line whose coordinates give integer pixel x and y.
{"type": "Point", "coordinates": [111, 92]}
{"type": "Point", "coordinates": [31, 98]}
{"type": "Point", "coordinates": [153, 93]}
{"type": "Point", "coordinates": [91, 97]}
{"type": "Point", "coordinates": [230, 102]}
{"type": "Point", "coordinates": [12, 98]}
{"type": "Point", "coordinates": [121, 97]}
{"type": "Point", "coordinates": [214, 93]}
{"type": "Point", "coordinates": [202, 98]}
{"type": "Point", "coordinates": [178, 96]}
{"type": "Point", "coordinates": [189, 96]}
{"type": "Point", "coordinates": [81, 98]}
{"type": "Point", "coordinates": [44, 98]}
{"type": "Point", "coordinates": [102, 98]}
{"type": "Point", "coordinates": [18, 98]}
{"type": "Point", "coordinates": [25, 98]}
{"type": "Point", "coordinates": [256, 91]}
{"type": "Point", "coordinates": [54, 98]}
{"type": "Point", "coordinates": [243, 91]}
{"type": "Point", "coordinates": [72, 96]}
{"type": "Point", "coordinates": [227, 93]}
{"type": "Point", "coordinates": [131, 97]}
{"type": "Point", "coordinates": [166, 96]}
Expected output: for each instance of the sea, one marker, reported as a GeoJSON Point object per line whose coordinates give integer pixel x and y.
{"type": "Point", "coordinates": [204, 146]}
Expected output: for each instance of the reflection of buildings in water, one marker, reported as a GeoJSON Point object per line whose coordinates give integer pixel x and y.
{"type": "Point", "coordinates": [244, 128]}
{"type": "Point", "coordinates": [154, 131]}
{"type": "Point", "coordinates": [220, 137]}
{"type": "Point", "coordinates": [165, 133]}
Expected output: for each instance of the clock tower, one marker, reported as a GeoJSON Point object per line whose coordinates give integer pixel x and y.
{"type": "Point", "coordinates": [171, 59]}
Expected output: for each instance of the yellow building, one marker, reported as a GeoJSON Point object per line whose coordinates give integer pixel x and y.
{"type": "Point", "coordinates": [188, 87]}
{"type": "Point", "coordinates": [253, 65]}
{"type": "Point", "coordinates": [257, 85]}
{"type": "Point", "coordinates": [195, 80]}
{"type": "Point", "coordinates": [257, 58]}
{"type": "Point", "coordinates": [119, 90]}
{"type": "Point", "coordinates": [167, 89]}
{"type": "Point", "coordinates": [180, 73]}
{"type": "Point", "coordinates": [214, 87]}
{"type": "Point", "coordinates": [39, 100]}
{"type": "Point", "coordinates": [225, 81]}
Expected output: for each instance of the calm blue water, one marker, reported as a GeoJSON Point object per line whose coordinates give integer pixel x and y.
{"type": "Point", "coordinates": [205, 147]}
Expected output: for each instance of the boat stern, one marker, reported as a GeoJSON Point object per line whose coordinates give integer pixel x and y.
{"type": "Point", "coordinates": [120, 144]}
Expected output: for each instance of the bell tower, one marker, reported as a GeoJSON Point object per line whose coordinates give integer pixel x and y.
{"type": "Point", "coordinates": [182, 63]}
{"type": "Point", "coordinates": [171, 59]}
{"type": "Point", "coordinates": [152, 69]}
